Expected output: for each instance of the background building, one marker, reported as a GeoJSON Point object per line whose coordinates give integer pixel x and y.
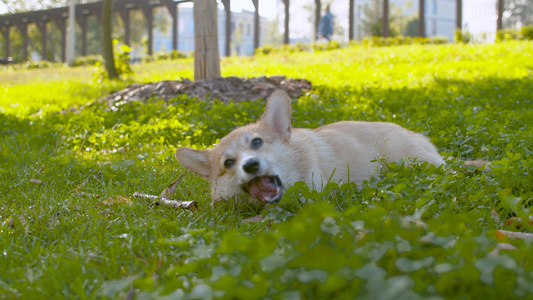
{"type": "Point", "coordinates": [439, 17]}
{"type": "Point", "coordinates": [242, 27]}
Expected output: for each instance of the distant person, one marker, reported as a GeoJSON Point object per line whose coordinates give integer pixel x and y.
{"type": "Point", "coordinates": [325, 27]}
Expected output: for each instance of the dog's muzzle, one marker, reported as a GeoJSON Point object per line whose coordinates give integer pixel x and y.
{"type": "Point", "coordinates": [265, 188]}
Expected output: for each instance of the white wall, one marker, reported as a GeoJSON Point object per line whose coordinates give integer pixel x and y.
{"type": "Point", "coordinates": [479, 18]}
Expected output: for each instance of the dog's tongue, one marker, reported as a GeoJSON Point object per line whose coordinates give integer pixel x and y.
{"type": "Point", "coordinates": [265, 189]}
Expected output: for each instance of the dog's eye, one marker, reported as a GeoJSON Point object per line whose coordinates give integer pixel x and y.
{"type": "Point", "coordinates": [256, 143]}
{"type": "Point", "coordinates": [228, 163]}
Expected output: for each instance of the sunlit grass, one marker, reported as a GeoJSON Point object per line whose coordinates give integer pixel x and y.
{"type": "Point", "coordinates": [412, 232]}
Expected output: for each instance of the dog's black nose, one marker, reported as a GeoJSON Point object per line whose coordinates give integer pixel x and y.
{"type": "Point", "coordinates": [251, 166]}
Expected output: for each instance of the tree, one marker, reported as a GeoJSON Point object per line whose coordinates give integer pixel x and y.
{"type": "Point", "coordinates": [107, 41]}
{"type": "Point", "coordinates": [274, 36]}
{"type": "Point", "coordinates": [206, 57]}
{"type": "Point", "coordinates": [411, 28]}
{"type": "Point", "coordinates": [15, 6]}
{"type": "Point", "coordinates": [372, 24]}
{"type": "Point", "coordinates": [518, 13]}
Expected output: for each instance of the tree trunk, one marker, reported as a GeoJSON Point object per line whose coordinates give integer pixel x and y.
{"type": "Point", "coordinates": [227, 44]}
{"type": "Point", "coordinates": [107, 41]}
{"type": "Point", "coordinates": [459, 15]}
{"type": "Point", "coordinates": [351, 6]}
{"type": "Point", "coordinates": [421, 18]}
{"type": "Point", "coordinates": [206, 57]}
{"type": "Point", "coordinates": [385, 18]}
{"type": "Point", "coordinates": [287, 18]}
{"type": "Point", "coordinates": [499, 10]}
{"type": "Point", "coordinates": [256, 24]}
{"type": "Point", "coordinates": [318, 8]}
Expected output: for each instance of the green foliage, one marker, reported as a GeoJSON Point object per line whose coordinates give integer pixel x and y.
{"type": "Point", "coordinates": [507, 35]}
{"type": "Point", "coordinates": [322, 253]}
{"type": "Point", "coordinates": [527, 32]}
{"type": "Point", "coordinates": [524, 33]}
{"type": "Point", "coordinates": [170, 55]}
{"type": "Point", "coordinates": [374, 41]}
{"type": "Point", "coordinates": [414, 232]}
{"type": "Point", "coordinates": [377, 41]}
{"type": "Point", "coordinates": [462, 36]}
{"type": "Point", "coordinates": [298, 47]}
{"type": "Point", "coordinates": [331, 45]}
{"type": "Point", "coordinates": [89, 60]}
{"type": "Point", "coordinates": [265, 50]}
{"type": "Point", "coordinates": [121, 53]}
{"type": "Point", "coordinates": [29, 65]}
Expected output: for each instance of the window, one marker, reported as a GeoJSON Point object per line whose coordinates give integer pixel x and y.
{"type": "Point", "coordinates": [181, 26]}
{"type": "Point", "coordinates": [434, 8]}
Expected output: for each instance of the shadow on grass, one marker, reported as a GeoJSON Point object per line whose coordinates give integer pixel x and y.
{"type": "Point", "coordinates": [134, 143]}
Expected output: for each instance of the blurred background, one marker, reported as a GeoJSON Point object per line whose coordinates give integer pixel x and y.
{"type": "Point", "coordinates": [45, 23]}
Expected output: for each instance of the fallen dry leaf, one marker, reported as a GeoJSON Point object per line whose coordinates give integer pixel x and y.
{"type": "Point", "coordinates": [24, 223]}
{"type": "Point", "coordinates": [500, 236]}
{"type": "Point", "coordinates": [35, 181]}
{"type": "Point", "coordinates": [494, 216]}
{"type": "Point", "coordinates": [501, 246]}
{"type": "Point", "coordinates": [514, 235]}
{"type": "Point", "coordinates": [84, 194]}
{"type": "Point", "coordinates": [171, 188]}
{"type": "Point", "coordinates": [517, 220]}
{"type": "Point", "coordinates": [9, 222]}
{"type": "Point", "coordinates": [118, 200]}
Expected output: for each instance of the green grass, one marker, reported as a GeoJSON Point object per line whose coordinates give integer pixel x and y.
{"type": "Point", "coordinates": [412, 233]}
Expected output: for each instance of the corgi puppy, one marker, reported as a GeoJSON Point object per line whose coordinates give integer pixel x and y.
{"type": "Point", "coordinates": [256, 163]}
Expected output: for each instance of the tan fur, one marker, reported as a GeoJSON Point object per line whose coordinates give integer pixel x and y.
{"type": "Point", "coordinates": [343, 149]}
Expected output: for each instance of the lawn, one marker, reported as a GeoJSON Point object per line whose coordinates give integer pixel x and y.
{"type": "Point", "coordinates": [410, 233]}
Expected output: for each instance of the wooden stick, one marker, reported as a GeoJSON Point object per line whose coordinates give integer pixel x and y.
{"type": "Point", "coordinates": [167, 202]}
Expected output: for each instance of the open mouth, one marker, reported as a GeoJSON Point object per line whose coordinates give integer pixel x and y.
{"type": "Point", "coordinates": [265, 188]}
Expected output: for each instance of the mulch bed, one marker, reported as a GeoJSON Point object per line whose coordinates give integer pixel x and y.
{"type": "Point", "coordinates": [226, 89]}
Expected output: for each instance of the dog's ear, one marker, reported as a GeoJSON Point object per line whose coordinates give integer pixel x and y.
{"type": "Point", "coordinates": [197, 161]}
{"type": "Point", "coordinates": [278, 113]}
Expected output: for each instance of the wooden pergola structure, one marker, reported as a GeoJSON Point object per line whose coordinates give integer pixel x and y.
{"type": "Point", "coordinates": [59, 15]}
{"type": "Point", "coordinates": [123, 8]}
